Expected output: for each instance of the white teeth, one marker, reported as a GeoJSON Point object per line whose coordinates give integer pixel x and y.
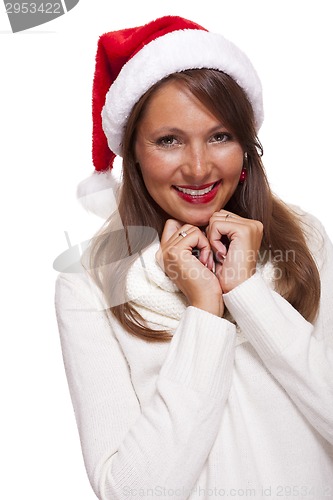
{"type": "Point", "coordinates": [195, 192]}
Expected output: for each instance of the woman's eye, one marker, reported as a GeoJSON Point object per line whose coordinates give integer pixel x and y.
{"type": "Point", "coordinates": [221, 137]}
{"type": "Point", "coordinates": [168, 140]}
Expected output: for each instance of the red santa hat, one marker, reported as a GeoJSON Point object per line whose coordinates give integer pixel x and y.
{"type": "Point", "coordinates": [129, 62]}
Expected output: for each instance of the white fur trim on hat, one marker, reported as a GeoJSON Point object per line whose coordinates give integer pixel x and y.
{"type": "Point", "coordinates": [171, 53]}
{"type": "Point", "coordinates": [98, 193]}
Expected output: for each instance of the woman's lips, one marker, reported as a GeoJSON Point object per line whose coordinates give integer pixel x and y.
{"type": "Point", "coordinates": [198, 194]}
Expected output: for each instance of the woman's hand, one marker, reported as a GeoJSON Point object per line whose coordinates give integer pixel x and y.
{"type": "Point", "coordinates": [194, 276]}
{"type": "Point", "coordinates": [236, 263]}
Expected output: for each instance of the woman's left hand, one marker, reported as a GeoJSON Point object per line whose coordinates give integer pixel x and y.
{"type": "Point", "coordinates": [237, 262]}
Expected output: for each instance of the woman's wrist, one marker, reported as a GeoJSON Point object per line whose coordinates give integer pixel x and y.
{"type": "Point", "coordinates": [215, 307]}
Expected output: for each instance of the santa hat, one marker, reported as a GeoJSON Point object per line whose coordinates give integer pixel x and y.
{"type": "Point", "coordinates": [129, 62]}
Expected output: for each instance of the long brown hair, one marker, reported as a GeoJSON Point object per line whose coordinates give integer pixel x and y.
{"type": "Point", "coordinates": [296, 277]}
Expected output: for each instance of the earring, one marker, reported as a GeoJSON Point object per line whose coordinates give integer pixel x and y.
{"type": "Point", "coordinates": [243, 175]}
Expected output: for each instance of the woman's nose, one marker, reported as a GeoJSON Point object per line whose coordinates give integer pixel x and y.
{"type": "Point", "coordinates": [197, 164]}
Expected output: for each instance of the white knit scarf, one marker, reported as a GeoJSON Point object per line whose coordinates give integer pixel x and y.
{"type": "Point", "coordinates": [158, 299]}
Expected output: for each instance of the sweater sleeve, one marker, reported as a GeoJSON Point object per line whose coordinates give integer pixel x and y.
{"type": "Point", "coordinates": [131, 450]}
{"type": "Point", "coordinates": [298, 354]}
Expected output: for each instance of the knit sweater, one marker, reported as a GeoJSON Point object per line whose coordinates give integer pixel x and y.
{"type": "Point", "coordinates": [228, 408]}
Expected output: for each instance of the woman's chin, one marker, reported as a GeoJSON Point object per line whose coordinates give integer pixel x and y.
{"type": "Point", "coordinates": [199, 217]}
{"type": "Point", "coordinates": [197, 221]}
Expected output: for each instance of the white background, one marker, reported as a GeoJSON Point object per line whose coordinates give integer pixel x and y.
{"type": "Point", "coordinates": [45, 110]}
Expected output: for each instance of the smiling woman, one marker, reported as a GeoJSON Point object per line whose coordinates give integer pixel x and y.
{"type": "Point", "coordinates": [197, 360]}
{"type": "Point", "coordinates": [199, 161]}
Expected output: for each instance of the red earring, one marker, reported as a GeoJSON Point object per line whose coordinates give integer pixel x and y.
{"type": "Point", "coordinates": [243, 175]}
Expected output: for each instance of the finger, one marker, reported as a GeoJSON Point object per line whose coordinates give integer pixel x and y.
{"type": "Point", "coordinates": [218, 270]}
{"type": "Point", "coordinates": [222, 223]}
{"type": "Point", "coordinates": [171, 227]}
{"type": "Point", "coordinates": [171, 236]}
{"type": "Point", "coordinates": [211, 262]}
{"type": "Point", "coordinates": [215, 231]}
{"type": "Point", "coordinates": [227, 215]}
{"type": "Point", "coordinates": [206, 254]}
{"type": "Point", "coordinates": [189, 237]}
{"type": "Point", "coordinates": [201, 244]}
{"type": "Point", "coordinates": [192, 237]}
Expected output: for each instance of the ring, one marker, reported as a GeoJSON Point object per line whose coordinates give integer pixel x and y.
{"type": "Point", "coordinates": [183, 234]}
{"type": "Point", "coordinates": [228, 215]}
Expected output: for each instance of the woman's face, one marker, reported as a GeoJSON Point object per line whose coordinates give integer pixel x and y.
{"type": "Point", "coordinates": [190, 162]}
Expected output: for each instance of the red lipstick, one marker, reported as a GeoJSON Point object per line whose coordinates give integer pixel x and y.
{"type": "Point", "coordinates": [198, 198]}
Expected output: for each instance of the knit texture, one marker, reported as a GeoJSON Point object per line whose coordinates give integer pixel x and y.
{"type": "Point", "coordinates": [227, 408]}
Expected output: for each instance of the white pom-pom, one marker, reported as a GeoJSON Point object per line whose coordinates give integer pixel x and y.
{"type": "Point", "coordinates": [99, 193]}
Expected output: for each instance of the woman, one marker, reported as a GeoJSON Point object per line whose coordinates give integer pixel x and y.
{"type": "Point", "coordinates": [198, 342]}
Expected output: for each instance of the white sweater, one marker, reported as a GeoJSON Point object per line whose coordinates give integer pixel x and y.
{"type": "Point", "coordinates": [220, 411]}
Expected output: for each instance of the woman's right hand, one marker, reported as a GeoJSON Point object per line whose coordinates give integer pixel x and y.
{"type": "Point", "coordinates": [193, 276]}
